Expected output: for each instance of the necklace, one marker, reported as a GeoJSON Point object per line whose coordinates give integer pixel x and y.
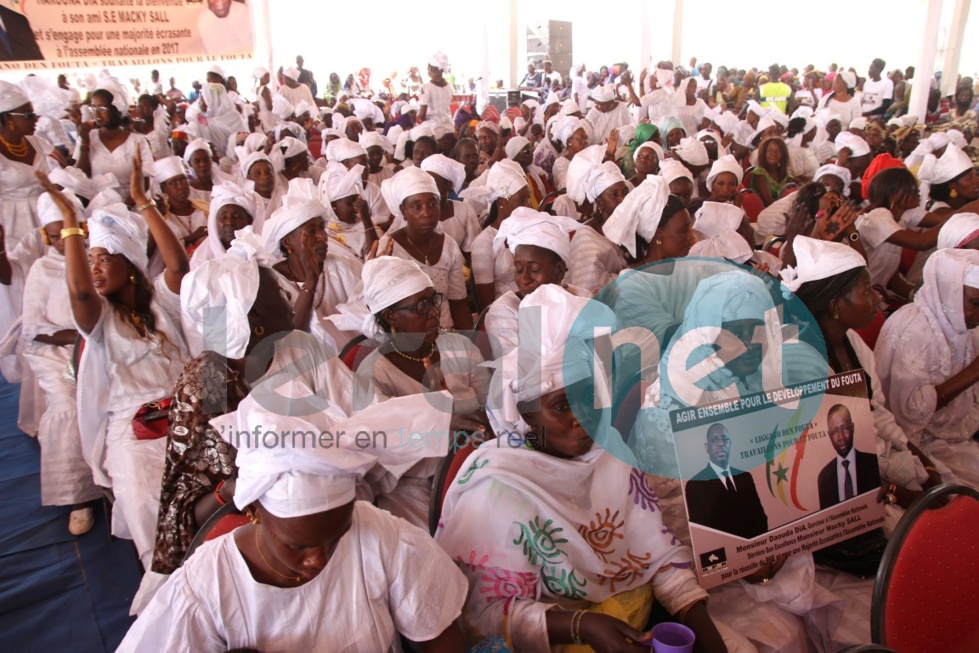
{"type": "Point", "coordinates": [18, 151]}
{"type": "Point", "coordinates": [416, 248]}
{"type": "Point", "coordinates": [294, 579]}
{"type": "Point", "coordinates": [413, 358]}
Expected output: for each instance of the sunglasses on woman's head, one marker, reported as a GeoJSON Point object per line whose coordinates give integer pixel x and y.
{"type": "Point", "coordinates": [27, 115]}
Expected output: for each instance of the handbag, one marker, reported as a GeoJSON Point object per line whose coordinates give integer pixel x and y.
{"type": "Point", "coordinates": [860, 555]}
{"type": "Point", "coordinates": [152, 420]}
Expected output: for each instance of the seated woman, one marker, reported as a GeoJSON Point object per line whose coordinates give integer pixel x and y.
{"type": "Point", "coordinates": [257, 168]}
{"type": "Point", "coordinates": [456, 218]}
{"type": "Point", "coordinates": [772, 220]}
{"type": "Point", "coordinates": [412, 193]}
{"type": "Point", "coordinates": [134, 348]}
{"type": "Point", "coordinates": [928, 366]}
{"type": "Point", "coordinates": [506, 189]}
{"type": "Point", "coordinates": [679, 178]}
{"type": "Point", "coordinates": [414, 357]}
{"type": "Point", "coordinates": [232, 208]}
{"type": "Point", "coordinates": [572, 135]}
{"type": "Point", "coordinates": [893, 192]}
{"type": "Point", "coordinates": [725, 233]}
{"type": "Point", "coordinates": [834, 283]}
{"type": "Point", "coordinates": [541, 254]}
{"type": "Point", "coordinates": [310, 544]}
{"type": "Point", "coordinates": [722, 183]}
{"type": "Point", "coordinates": [673, 131]}
{"type": "Point", "coordinates": [595, 184]}
{"type": "Point", "coordinates": [109, 146]}
{"type": "Point", "coordinates": [770, 176]}
{"type": "Point", "coordinates": [952, 179]}
{"type": "Point", "coordinates": [490, 150]}
{"type": "Point", "coordinates": [529, 522]}
{"type": "Point", "coordinates": [961, 231]}
{"type": "Point", "coordinates": [187, 218]}
{"type": "Point", "coordinates": [199, 464]}
{"type": "Point", "coordinates": [646, 134]}
{"type": "Point", "coordinates": [651, 224]}
{"type": "Point", "coordinates": [348, 216]}
{"type": "Point", "coordinates": [50, 333]}
{"type": "Point", "coordinates": [647, 159]}
{"type": "Point", "coordinates": [315, 279]}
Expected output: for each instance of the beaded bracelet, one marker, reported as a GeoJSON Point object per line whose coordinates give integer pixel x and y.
{"type": "Point", "coordinates": [576, 627]}
{"type": "Point", "coordinates": [217, 493]}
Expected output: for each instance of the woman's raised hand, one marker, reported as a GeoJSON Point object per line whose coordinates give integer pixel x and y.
{"type": "Point", "coordinates": [64, 204]}
{"type": "Point", "coordinates": [387, 251]}
{"type": "Point", "coordinates": [136, 181]}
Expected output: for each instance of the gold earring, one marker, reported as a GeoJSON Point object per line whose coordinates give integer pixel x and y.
{"type": "Point", "coordinates": [836, 316]}
{"type": "Point", "coordinates": [260, 330]}
{"type": "Point", "coordinates": [953, 193]}
{"type": "Point", "coordinates": [659, 242]}
{"type": "Point", "coordinates": [132, 278]}
{"type": "Point", "coordinates": [253, 518]}
{"type": "Point", "coordinates": [392, 330]}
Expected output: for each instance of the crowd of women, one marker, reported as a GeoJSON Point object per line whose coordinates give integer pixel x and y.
{"type": "Point", "coordinates": [178, 279]}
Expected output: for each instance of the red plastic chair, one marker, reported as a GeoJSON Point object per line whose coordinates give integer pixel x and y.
{"type": "Point", "coordinates": [224, 520]}
{"type": "Point", "coordinates": [446, 473]}
{"type": "Point", "coordinates": [871, 332]}
{"type": "Point", "coordinates": [907, 259]}
{"type": "Point", "coordinates": [752, 205]}
{"type": "Point", "coordinates": [355, 351]}
{"type": "Point", "coordinates": [480, 338]}
{"type": "Point", "coordinates": [927, 574]}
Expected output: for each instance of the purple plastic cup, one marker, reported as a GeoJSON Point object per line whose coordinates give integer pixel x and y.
{"type": "Point", "coordinates": [671, 637]}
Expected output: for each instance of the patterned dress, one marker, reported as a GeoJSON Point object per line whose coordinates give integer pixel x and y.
{"type": "Point", "coordinates": [197, 458]}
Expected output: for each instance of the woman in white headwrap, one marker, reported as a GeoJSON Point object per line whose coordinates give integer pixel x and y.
{"type": "Point", "coordinates": [413, 195]}
{"type": "Point", "coordinates": [153, 122]}
{"type": "Point", "coordinates": [596, 185]}
{"type": "Point", "coordinates": [21, 154]}
{"type": "Point", "coordinates": [456, 218]}
{"type": "Point", "coordinates": [351, 154]}
{"type": "Point", "coordinates": [259, 169]}
{"type": "Point", "coordinates": [608, 114]}
{"type": "Point", "coordinates": [689, 108]}
{"type": "Point", "coordinates": [377, 146]}
{"type": "Point", "coordinates": [952, 180]}
{"type": "Point", "coordinates": [723, 180]}
{"type": "Point", "coordinates": [106, 144]}
{"type": "Point", "coordinates": [204, 174]}
{"type": "Point", "coordinates": [573, 135]}
{"type": "Point", "coordinates": [415, 357]}
{"type": "Point", "coordinates": [134, 348]}
{"type": "Point", "coordinates": [692, 153]}
{"type": "Point", "coordinates": [841, 102]}
{"type": "Point", "coordinates": [651, 224]}
{"type": "Point", "coordinates": [803, 162]}
{"type": "Point", "coordinates": [726, 233]}
{"type": "Point", "coordinates": [542, 253]}
{"type": "Point", "coordinates": [927, 362]}
{"type": "Point", "coordinates": [348, 217]}
{"type": "Point", "coordinates": [49, 335]}
{"type": "Point", "coordinates": [490, 148]}
{"type": "Point", "coordinates": [506, 189]}
{"type": "Point", "coordinates": [529, 523]}
{"type": "Point", "coordinates": [315, 279]}
{"type": "Point", "coordinates": [232, 208]}
{"type": "Point", "coordinates": [679, 178]}
{"type": "Point", "coordinates": [647, 157]}
{"type": "Point", "coordinates": [833, 282]}
{"type": "Point", "coordinates": [218, 117]}
{"type": "Point", "coordinates": [186, 217]}
{"type": "Point", "coordinates": [310, 542]}
{"type": "Point", "coordinates": [435, 97]}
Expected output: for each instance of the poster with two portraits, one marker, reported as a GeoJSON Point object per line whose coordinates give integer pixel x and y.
{"type": "Point", "coordinates": [779, 472]}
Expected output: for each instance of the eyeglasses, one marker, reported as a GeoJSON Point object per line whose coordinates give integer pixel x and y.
{"type": "Point", "coordinates": [99, 109]}
{"type": "Point", "coordinates": [423, 306]}
{"type": "Point", "coordinates": [27, 115]}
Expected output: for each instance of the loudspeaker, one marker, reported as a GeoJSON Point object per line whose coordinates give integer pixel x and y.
{"type": "Point", "coordinates": [559, 45]}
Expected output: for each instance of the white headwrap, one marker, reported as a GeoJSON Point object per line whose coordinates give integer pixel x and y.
{"type": "Point", "coordinates": [718, 222]}
{"type": "Point", "coordinates": [780, 119]}
{"type": "Point", "coordinates": [836, 171]}
{"type": "Point", "coordinates": [952, 163]}
{"type": "Point", "coordinates": [302, 108]}
{"type": "Point", "coordinates": [388, 280]}
{"type": "Point", "coordinates": [819, 259]}
{"type": "Point", "coordinates": [225, 193]}
{"type": "Point", "coordinates": [281, 107]}
{"type": "Point", "coordinates": [763, 124]}
{"type": "Point", "coordinates": [105, 197]}
{"type": "Point", "coordinates": [726, 163]}
{"type": "Point", "coordinates": [48, 211]}
{"type": "Point", "coordinates": [194, 146]}
{"type": "Point", "coordinates": [515, 145]}
{"type": "Point", "coordinates": [47, 98]}
{"type": "Point", "coordinates": [120, 100]}
{"type": "Point", "coordinates": [289, 147]}
{"type": "Point", "coordinates": [856, 145]}
{"type": "Point", "coordinates": [588, 176]}
{"type": "Point", "coordinates": [568, 108]}
{"type": "Point", "coordinates": [446, 168]}
{"type": "Point", "coordinates": [74, 180]}
{"type": "Point", "coordinates": [565, 127]}
{"type": "Point", "coordinates": [11, 97]}
{"type": "Point", "coordinates": [412, 135]}
{"type": "Point", "coordinates": [292, 73]}
{"type": "Point", "coordinates": [525, 226]}
{"type": "Point", "coordinates": [251, 159]}
{"type": "Point", "coordinates": [858, 123]}
{"type": "Point", "coordinates": [338, 182]}
{"type": "Point", "coordinates": [299, 206]}
{"type": "Point", "coordinates": [216, 297]}
{"type": "Point", "coordinates": [439, 60]}
{"type": "Point", "coordinates": [603, 93]}
{"type": "Point", "coordinates": [671, 170]}
{"type": "Point", "coordinates": [956, 138]}
{"type": "Point", "coordinates": [639, 213]}
{"type": "Point", "coordinates": [118, 231]}
{"type": "Point", "coordinates": [655, 147]}
{"type": "Point", "coordinates": [958, 231]}
{"type": "Point", "coordinates": [945, 274]}
{"type": "Point", "coordinates": [850, 79]}
{"type": "Point", "coordinates": [296, 477]}
{"type": "Point", "coordinates": [727, 121]}
{"type": "Point", "coordinates": [167, 168]}
{"type": "Point", "coordinates": [404, 184]}
{"type": "Point", "coordinates": [557, 358]}
{"type": "Point", "coordinates": [756, 109]}
{"type": "Point", "coordinates": [692, 151]}
{"type": "Point", "coordinates": [374, 139]}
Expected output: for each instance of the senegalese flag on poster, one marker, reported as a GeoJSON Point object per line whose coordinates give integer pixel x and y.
{"type": "Point", "coordinates": [782, 475]}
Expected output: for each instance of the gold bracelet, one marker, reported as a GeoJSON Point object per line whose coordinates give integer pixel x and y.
{"type": "Point", "coordinates": [576, 627]}
{"type": "Point", "coordinates": [150, 204]}
{"type": "Point", "coordinates": [931, 468]}
{"type": "Point", "coordinates": [72, 231]}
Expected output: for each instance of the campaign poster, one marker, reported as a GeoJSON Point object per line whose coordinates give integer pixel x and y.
{"type": "Point", "coordinates": [756, 487]}
{"type": "Point", "coordinates": [58, 34]}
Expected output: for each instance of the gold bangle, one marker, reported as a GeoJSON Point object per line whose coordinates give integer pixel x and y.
{"type": "Point", "coordinates": [150, 204]}
{"type": "Point", "coordinates": [931, 468]}
{"type": "Point", "coordinates": [72, 231]}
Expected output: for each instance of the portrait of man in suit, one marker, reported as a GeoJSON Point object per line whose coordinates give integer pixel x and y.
{"type": "Point", "coordinates": [851, 472]}
{"type": "Point", "coordinates": [723, 497]}
{"type": "Point", "coordinates": [17, 42]}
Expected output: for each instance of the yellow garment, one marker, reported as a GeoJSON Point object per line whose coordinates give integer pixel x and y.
{"type": "Point", "coordinates": [535, 196]}
{"type": "Point", "coordinates": [632, 607]}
